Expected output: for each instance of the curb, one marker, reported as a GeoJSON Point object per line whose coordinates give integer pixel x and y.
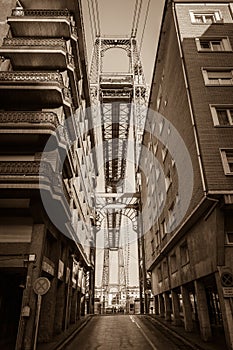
{"type": "Point", "coordinates": [64, 342]}
{"type": "Point", "coordinates": [175, 334]}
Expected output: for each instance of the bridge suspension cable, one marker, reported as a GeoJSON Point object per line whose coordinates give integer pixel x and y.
{"type": "Point", "coordinates": [93, 34]}
{"type": "Point", "coordinates": [144, 26]}
{"type": "Point", "coordinates": [97, 18]}
{"type": "Point", "coordinates": [136, 17]}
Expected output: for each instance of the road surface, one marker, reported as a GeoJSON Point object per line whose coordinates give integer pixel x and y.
{"type": "Point", "coordinates": [118, 332]}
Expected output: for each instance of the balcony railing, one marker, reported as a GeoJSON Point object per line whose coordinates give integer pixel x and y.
{"type": "Point", "coordinates": [31, 77]}
{"type": "Point", "coordinates": [40, 12]}
{"type": "Point", "coordinates": [29, 117]}
{"type": "Point", "coordinates": [48, 78]}
{"type": "Point", "coordinates": [26, 169]}
{"type": "Point", "coordinates": [20, 12]}
{"type": "Point", "coordinates": [61, 43]}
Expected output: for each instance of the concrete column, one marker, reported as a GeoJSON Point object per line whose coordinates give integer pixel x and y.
{"type": "Point", "coordinates": [47, 314]}
{"type": "Point", "coordinates": [161, 306]}
{"type": "Point", "coordinates": [156, 304]}
{"type": "Point", "coordinates": [79, 306]}
{"type": "Point", "coordinates": [187, 309]}
{"type": "Point", "coordinates": [176, 308]}
{"type": "Point", "coordinates": [167, 307]}
{"type": "Point", "coordinates": [60, 308]}
{"type": "Point", "coordinates": [202, 311]}
{"type": "Point", "coordinates": [73, 311]}
{"type": "Point", "coordinates": [227, 313]}
{"type": "Point", "coordinates": [29, 297]}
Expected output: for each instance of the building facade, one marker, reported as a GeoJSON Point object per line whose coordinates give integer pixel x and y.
{"type": "Point", "coordinates": [44, 94]}
{"type": "Point", "coordinates": [191, 261]}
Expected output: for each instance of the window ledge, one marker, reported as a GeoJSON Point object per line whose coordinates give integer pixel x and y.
{"type": "Point", "coordinates": [185, 264]}
{"type": "Point", "coordinates": [219, 85]}
{"type": "Point", "coordinates": [223, 126]}
{"type": "Point", "coordinates": [213, 51]}
{"type": "Point", "coordinates": [208, 24]}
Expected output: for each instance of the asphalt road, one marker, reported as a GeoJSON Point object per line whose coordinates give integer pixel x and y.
{"type": "Point", "coordinates": [123, 332]}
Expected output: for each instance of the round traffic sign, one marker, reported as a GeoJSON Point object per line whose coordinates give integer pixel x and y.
{"type": "Point", "coordinates": [41, 285]}
{"type": "Point", "coordinates": [227, 279]}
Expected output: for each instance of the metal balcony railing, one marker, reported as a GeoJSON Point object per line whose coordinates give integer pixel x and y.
{"type": "Point", "coordinates": [20, 12]}
{"type": "Point", "coordinates": [34, 168]}
{"type": "Point", "coordinates": [36, 77]}
{"type": "Point", "coordinates": [41, 12]}
{"type": "Point", "coordinates": [61, 43]}
{"type": "Point", "coordinates": [29, 77]}
{"type": "Point", "coordinates": [29, 117]}
{"type": "Point", "coordinates": [54, 44]}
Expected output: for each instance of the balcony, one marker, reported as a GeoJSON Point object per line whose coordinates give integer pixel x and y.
{"type": "Point", "coordinates": [26, 53]}
{"type": "Point", "coordinates": [34, 90]}
{"type": "Point", "coordinates": [42, 23]}
{"type": "Point", "coordinates": [34, 175]}
{"type": "Point", "coordinates": [42, 54]}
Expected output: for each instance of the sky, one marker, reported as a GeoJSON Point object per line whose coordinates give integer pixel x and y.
{"type": "Point", "coordinates": [116, 18]}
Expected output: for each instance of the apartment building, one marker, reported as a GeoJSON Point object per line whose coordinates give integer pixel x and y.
{"type": "Point", "coordinates": [44, 93]}
{"type": "Point", "coordinates": [190, 254]}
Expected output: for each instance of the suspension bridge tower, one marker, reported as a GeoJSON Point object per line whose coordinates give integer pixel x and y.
{"type": "Point", "coordinates": [119, 105]}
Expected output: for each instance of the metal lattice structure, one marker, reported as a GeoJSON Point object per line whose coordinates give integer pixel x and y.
{"type": "Point", "coordinates": [119, 102]}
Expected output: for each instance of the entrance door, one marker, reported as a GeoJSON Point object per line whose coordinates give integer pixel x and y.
{"type": "Point", "coordinates": [11, 291]}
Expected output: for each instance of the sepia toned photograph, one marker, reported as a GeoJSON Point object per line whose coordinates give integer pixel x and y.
{"type": "Point", "coordinates": [116, 175]}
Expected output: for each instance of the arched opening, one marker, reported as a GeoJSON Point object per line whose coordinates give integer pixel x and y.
{"type": "Point", "coordinates": [115, 60]}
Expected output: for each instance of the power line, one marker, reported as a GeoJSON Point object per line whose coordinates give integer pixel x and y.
{"type": "Point", "coordinates": [144, 27]}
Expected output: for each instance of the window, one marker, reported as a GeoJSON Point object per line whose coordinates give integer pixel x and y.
{"type": "Point", "coordinates": [171, 215]}
{"type": "Point", "coordinates": [152, 247]}
{"type": "Point", "coordinates": [159, 271]}
{"type": "Point", "coordinates": [165, 270]}
{"type": "Point", "coordinates": [163, 228]}
{"type": "Point", "coordinates": [214, 44]}
{"type": "Point", "coordinates": [222, 115]}
{"type": "Point", "coordinates": [157, 238]}
{"type": "Point", "coordinates": [159, 98]}
{"type": "Point", "coordinates": [164, 152]}
{"type": "Point", "coordinates": [161, 199]}
{"type": "Point", "coordinates": [184, 254]}
{"type": "Point", "coordinates": [157, 173]}
{"type": "Point", "coordinates": [173, 263]}
{"type": "Point", "coordinates": [205, 17]}
{"type": "Point", "coordinates": [229, 238]}
{"type": "Point", "coordinates": [218, 77]}
{"type": "Point", "coordinates": [227, 160]}
{"type": "Point", "coordinates": [168, 181]}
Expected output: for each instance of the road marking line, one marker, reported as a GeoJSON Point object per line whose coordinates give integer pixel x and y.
{"type": "Point", "coordinates": [143, 333]}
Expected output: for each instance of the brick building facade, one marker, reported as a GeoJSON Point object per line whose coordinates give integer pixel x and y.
{"type": "Point", "coordinates": [191, 261]}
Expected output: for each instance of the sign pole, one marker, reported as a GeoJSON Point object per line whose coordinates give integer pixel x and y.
{"type": "Point", "coordinates": [40, 287]}
{"type": "Point", "coordinates": [39, 298]}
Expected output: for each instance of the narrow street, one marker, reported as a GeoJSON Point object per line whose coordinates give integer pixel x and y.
{"type": "Point", "coordinates": [123, 332]}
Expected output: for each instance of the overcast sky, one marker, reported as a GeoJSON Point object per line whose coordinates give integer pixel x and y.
{"type": "Point", "coordinates": [116, 18]}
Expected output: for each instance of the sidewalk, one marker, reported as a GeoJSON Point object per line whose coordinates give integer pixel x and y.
{"type": "Point", "coordinates": [191, 338]}
{"type": "Point", "coordinates": [58, 341]}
